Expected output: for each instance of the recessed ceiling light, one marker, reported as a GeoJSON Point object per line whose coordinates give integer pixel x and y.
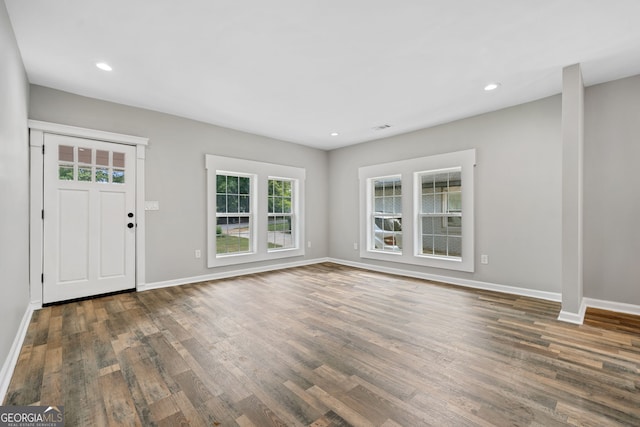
{"type": "Point", "coordinates": [491, 86]}
{"type": "Point", "coordinates": [104, 66]}
{"type": "Point", "coordinates": [334, 134]}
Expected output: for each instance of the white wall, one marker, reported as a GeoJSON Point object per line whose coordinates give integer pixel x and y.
{"type": "Point", "coordinates": [612, 193]}
{"type": "Point", "coordinates": [14, 187]}
{"type": "Point", "coordinates": [518, 191]}
{"type": "Point", "coordinates": [175, 176]}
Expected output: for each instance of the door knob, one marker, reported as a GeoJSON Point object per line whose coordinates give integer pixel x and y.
{"type": "Point", "coordinates": [130, 225]}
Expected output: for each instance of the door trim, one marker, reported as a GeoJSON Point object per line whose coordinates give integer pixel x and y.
{"type": "Point", "coordinates": [37, 130]}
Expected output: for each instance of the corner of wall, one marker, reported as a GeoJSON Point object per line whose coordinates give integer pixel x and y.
{"type": "Point", "coordinates": [14, 216]}
{"type": "Point", "coordinates": [12, 358]}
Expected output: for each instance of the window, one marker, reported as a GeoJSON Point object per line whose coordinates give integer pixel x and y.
{"type": "Point", "coordinates": [280, 223]}
{"type": "Point", "coordinates": [255, 211]}
{"type": "Point", "coordinates": [89, 165]}
{"type": "Point", "coordinates": [419, 211]}
{"type": "Point", "coordinates": [386, 230]}
{"type": "Point", "coordinates": [440, 216]}
{"type": "Point", "coordinates": [233, 214]}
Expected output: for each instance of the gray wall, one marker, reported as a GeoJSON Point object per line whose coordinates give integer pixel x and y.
{"type": "Point", "coordinates": [14, 187]}
{"type": "Point", "coordinates": [175, 176]}
{"type": "Point", "coordinates": [518, 191]}
{"type": "Point", "coordinates": [612, 197]}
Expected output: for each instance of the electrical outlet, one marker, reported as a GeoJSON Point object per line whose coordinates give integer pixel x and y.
{"type": "Point", "coordinates": [355, 246]}
{"type": "Point", "coordinates": [484, 259]}
{"type": "Point", "coordinates": [309, 244]}
{"type": "Point", "coordinates": [198, 253]}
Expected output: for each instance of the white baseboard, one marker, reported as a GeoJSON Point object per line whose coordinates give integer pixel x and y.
{"type": "Point", "coordinates": [227, 274]}
{"type": "Point", "coordinates": [476, 284]}
{"type": "Point", "coordinates": [576, 318]}
{"type": "Point", "coordinates": [565, 316]}
{"type": "Point", "coordinates": [12, 358]}
{"type": "Point", "coordinates": [619, 307]}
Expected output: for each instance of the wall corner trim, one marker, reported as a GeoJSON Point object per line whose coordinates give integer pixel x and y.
{"type": "Point", "coordinates": [10, 362]}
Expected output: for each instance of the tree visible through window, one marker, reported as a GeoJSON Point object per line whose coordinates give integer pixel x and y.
{"type": "Point", "coordinates": [280, 232]}
{"type": "Point", "coordinates": [255, 211]}
{"type": "Point", "coordinates": [233, 214]}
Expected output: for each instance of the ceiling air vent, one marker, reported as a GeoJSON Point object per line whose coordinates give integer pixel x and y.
{"type": "Point", "coordinates": [383, 127]}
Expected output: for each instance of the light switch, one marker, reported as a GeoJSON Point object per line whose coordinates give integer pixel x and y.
{"type": "Point", "coordinates": [151, 205]}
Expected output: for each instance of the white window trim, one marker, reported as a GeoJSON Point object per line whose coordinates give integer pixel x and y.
{"type": "Point", "coordinates": [262, 172]}
{"type": "Point", "coordinates": [409, 171]}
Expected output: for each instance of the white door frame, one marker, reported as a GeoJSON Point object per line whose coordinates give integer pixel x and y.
{"type": "Point", "coordinates": [37, 130]}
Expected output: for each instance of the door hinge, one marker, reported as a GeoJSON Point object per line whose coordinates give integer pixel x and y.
{"type": "Point", "coordinates": [42, 278]}
{"type": "Point", "coordinates": [42, 213]}
{"type": "Point", "coordinates": [43, 149]}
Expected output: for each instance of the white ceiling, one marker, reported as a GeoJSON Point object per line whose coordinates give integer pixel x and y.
{"type": "Point", "coordinates": [298, 70]}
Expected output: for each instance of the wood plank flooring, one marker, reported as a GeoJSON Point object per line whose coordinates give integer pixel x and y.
{"type": "Point", "coordinates": [328, 345]}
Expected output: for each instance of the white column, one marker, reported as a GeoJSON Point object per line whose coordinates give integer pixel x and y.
{"type": "Point", "coordinates": [573, 306]}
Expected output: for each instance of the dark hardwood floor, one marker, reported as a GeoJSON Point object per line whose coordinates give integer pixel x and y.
{"type": "Point", "coordinates": [328, 345]}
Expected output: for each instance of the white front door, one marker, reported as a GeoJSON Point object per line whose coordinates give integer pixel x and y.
{"type": "Point", "coordinates": [89, 217]}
